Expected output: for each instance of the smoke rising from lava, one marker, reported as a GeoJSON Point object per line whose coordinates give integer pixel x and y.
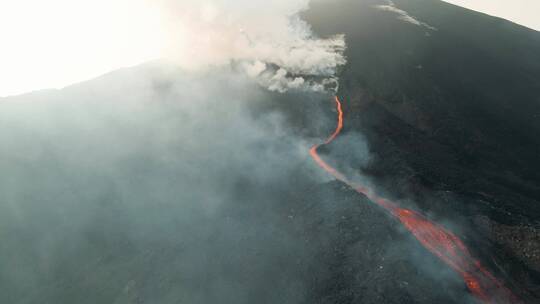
{"type": "Point", "coordinates": [266, 39]}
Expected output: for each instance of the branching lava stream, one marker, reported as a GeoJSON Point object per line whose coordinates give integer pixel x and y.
{"type": "Point", "coordinates": [435, 238]}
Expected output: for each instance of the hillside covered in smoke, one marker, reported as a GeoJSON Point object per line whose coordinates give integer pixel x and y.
{"type": "Point", "coordinates": [152, 185]}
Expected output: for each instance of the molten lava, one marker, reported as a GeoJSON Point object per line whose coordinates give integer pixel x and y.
{"type": "Point", "coordinates": [439, 241]}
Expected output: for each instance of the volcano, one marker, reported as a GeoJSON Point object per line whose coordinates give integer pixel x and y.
{"type": "Point", "coordinates": [449, 108]}
{"type": "Point", "coordinates": [419, 183]}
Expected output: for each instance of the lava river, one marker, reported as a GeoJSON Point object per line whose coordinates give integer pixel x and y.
{"type": "Point", "coordinates": [437, 239]}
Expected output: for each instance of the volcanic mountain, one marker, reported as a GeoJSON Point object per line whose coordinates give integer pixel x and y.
{"type": "Point", "coordinates": [153, 184]}
{"type": "Point", "coordinates": [448, 101]}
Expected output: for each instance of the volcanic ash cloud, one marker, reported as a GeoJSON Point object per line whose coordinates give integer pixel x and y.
{"type": "Point", "coordinates": [266, 39]}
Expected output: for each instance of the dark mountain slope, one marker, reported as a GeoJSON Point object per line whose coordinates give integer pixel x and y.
{"type": "Point", "coordinates": [449, 103]}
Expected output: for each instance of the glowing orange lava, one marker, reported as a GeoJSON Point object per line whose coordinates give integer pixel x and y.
{"type": "Point", "coordinates": [438, 240]}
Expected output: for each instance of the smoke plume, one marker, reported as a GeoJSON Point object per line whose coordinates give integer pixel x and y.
{"type": "Point", "coordinates": [266, 40]}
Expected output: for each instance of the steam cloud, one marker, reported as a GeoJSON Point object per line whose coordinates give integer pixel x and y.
{"type": "Point", "coordinates": [265, 39]}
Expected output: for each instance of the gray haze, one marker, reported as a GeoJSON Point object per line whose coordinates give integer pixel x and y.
{"type": "Point", "coordinates": [152, 185]}
{"type": "Point", "coordinates": [146, 175]}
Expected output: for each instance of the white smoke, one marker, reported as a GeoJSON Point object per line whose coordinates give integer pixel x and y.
{"type": "Point", "coordinates": [266, 39]}
{"type": "Point", "coordinates": [403, 15]}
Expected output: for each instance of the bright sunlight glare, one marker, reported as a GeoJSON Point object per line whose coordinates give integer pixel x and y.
{"type": "Point", "coordinates": [55, 43]}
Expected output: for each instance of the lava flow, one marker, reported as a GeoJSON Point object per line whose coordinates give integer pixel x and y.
{"type": "Point", "coordinates": [438, 240]}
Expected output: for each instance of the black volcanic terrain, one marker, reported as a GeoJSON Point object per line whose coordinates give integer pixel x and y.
{"type": "Point", "coordinates": [150, 185]}
{"type": "Point", "coordinates": [451, 111]}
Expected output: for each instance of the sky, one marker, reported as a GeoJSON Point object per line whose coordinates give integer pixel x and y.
{"type": "Point", "coordinates": [39, 51]}
{"type": "Point", "coordinates": [524, 12]}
